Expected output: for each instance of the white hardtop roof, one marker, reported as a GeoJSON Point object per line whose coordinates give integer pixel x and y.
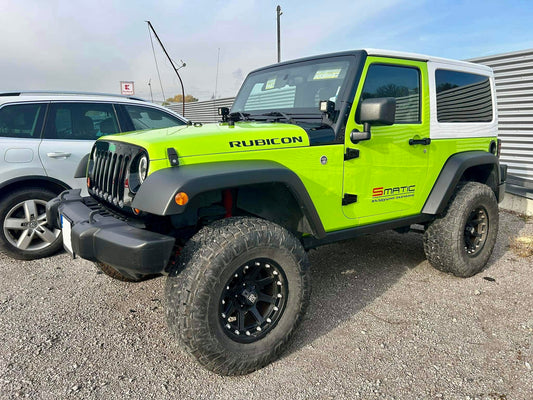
{"type": "Point", "coordinates": [422, 57]}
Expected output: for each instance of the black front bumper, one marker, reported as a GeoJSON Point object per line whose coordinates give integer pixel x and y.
{"type": "Point", "coordinates": [98, 236]}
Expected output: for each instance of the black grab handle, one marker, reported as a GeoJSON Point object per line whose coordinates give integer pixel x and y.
{"type": "Point", "coordinates": [424, 141]}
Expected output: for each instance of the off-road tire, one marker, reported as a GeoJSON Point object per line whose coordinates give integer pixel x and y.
{"type": "Point", "coordinates": [445, 242]}
{"type": "Point", "coordinates": [10, 208]}
{"type": "Point", "coordinates": [195, 286]}
{"type": "Point", "coordinates": [113, 273]}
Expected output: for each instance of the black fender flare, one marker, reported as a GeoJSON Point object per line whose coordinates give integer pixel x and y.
{"type": "Point", "coordinates": [451, 173]}
{"type": "Point", "coordinates": [156, 194]}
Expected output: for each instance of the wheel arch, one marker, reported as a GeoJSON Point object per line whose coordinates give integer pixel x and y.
{"type": "Point", "coordinates": [251, 177]}
{"type": "Point", "coordinates": [45, 182]}
{"type": "Point", "coordinates": [477, 166]}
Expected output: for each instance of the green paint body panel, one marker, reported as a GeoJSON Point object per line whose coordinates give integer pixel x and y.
{"type": "Point", "coordinates": [215, 139]}
{"type": "Point", "coordinates": [386, 162]}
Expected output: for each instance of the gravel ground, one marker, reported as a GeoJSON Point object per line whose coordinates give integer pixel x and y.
{"type": "Point", "coordinates": [382, 324]}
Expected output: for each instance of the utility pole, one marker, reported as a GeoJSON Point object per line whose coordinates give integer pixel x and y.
{"type": "Point", "coordinates": [216, 78]}
{"type": "Point", "coordinates": [278, 12]}
{"type": "Point", "coordinates": [171, 63]}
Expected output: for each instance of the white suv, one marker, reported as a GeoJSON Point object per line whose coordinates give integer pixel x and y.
{"type": "Point", "coordinates": [44, 138]}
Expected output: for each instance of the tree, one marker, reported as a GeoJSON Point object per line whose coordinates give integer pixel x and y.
{"type": "Point", "coordinates": [178, 99]}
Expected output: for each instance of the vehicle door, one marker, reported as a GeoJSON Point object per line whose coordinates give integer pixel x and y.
{"type": "Point", "coordinates": [390, 172]}
{"type": "Point", "coordinates": [70, 131]}
{"type": "Point", "coordinates": [20, 135]}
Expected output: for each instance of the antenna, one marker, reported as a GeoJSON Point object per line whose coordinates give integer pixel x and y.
{"type": "Point", "coordinates": [171, 63]}
{"type": "Point", "coordinates": [156, 65]}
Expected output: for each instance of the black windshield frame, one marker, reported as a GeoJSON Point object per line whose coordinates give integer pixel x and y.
{"type": "Point", "coordinates": [344, 97]}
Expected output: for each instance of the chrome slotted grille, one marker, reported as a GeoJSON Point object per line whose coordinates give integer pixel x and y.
{"type": "Point", "coordinates": [108, 171]}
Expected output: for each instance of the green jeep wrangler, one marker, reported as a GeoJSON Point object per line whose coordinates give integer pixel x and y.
{"type": "Point", "coordinates": [314, 151]}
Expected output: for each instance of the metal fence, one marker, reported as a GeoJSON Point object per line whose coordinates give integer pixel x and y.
{"type": "Point", "coordinates": [513, 74]}
{"type": "Point", "coordinates": [202, 111]}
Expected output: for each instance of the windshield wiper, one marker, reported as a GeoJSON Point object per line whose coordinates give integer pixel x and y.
{"type": "Point", "coordinates": [279, 114]}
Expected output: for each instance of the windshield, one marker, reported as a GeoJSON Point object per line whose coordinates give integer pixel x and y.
{"type": "Point", "coordinates": [295, 88]}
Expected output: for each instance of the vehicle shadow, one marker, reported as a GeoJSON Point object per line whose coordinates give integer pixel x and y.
{"type": "Point", "coordinates": [349, 275]}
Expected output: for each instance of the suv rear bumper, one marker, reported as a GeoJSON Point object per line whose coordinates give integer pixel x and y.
{"type": "Point", "coordinates": [132, 251]}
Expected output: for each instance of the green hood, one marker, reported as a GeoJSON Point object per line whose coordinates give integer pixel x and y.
{"type": "Point", "coordinates": [215, 138]}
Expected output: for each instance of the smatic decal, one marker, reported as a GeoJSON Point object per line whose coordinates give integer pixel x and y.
{"type": "Point", "coordinates": [381, 193]}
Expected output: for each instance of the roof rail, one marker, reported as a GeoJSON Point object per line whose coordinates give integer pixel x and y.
{"type": "Point", "coordinates": [67, 92]}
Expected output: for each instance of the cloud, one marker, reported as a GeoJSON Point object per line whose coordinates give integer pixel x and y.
{"type": "Point", "coordinates": [91, 46]}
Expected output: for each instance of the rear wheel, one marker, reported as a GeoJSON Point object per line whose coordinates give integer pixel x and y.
{"type": "Point", "coordinates": [461, 241]}
{"type": "Point", "coordinates": [243, 290]}
{"type": "Point", "coordinates": [24, 234]}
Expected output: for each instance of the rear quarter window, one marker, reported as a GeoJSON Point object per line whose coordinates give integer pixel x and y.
{"type": "Point", "coordinates": [21, 120]}
{"type": "Point", "coordinates": [151, 118]}
{"type": "Point", "coordinates": [463, 97]}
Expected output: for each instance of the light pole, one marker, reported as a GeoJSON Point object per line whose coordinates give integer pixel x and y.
{"type": "Point", "coordinates": [278, 12]}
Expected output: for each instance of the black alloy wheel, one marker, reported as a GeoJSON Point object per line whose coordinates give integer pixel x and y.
{"type": "Point", "coordinates": [253, 300]}
{"type": "Point", "coordinates": [476, 229]}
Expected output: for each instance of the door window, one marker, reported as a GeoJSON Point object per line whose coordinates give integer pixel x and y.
{"type": "Point", "coordinates": [21, 120]}
{"type": "Point", "coordinates": [402, 83]}
{"type": "Point", "coordinates": [81, 121]}
{"type": "Point", "coordinates": [151, 118]}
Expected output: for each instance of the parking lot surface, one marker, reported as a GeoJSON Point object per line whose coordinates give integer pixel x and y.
{"type": "Point", "coordinates": [382, 324]}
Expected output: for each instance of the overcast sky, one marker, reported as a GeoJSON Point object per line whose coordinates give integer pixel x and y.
{"type": "Point", "coordinates": [93, 45]}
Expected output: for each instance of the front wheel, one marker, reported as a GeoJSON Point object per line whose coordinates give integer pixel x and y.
{"type": "Point", "coordinates": [461, 241]}
{"type": "Point", "coordinates": [25, 234]}
{"type": "Point", "coordinates": [244, 289]}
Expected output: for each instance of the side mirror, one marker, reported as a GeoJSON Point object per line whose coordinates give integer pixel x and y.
{"type": "Point", "coordinates": [379, 111]}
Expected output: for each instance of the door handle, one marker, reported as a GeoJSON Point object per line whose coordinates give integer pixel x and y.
{"type": "Point", "coordinates": [58, 155]}
{"type": "Point", "coordinates": [424, 141]}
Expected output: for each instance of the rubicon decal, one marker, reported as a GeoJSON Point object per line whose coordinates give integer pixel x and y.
{"type": "Point", "coordinates": [265, 142]}
{"type": "Point", "coordinates": [380, 194]}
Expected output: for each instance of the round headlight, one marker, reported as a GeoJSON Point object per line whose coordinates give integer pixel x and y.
{"type": "Point", "coordinates": [143, 168]}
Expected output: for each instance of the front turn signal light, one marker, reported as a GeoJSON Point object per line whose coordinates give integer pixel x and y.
{"type": "Point", "coordinates": [181, 198]}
